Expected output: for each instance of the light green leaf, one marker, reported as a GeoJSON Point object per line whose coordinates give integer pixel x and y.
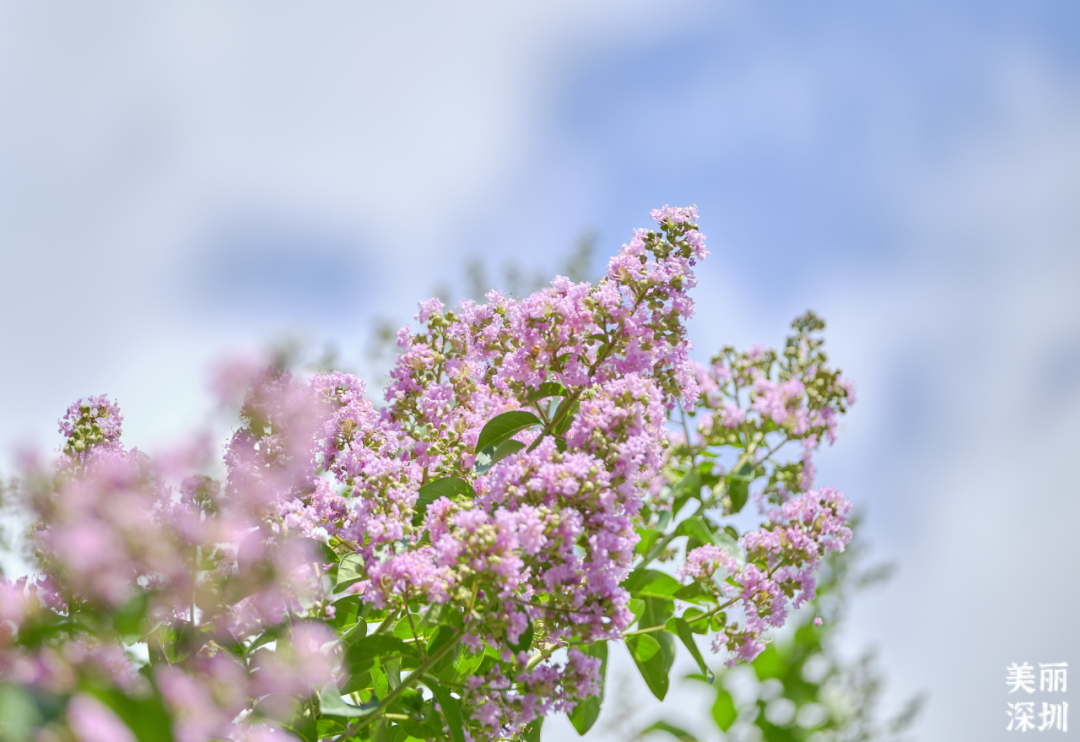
{"type": "Point", "coordinates": [532, 731]}
{"type": "Point", "coordinates": [653, 655]}
{"type": "Point", "coordinates": [680, 734]}
{"type": "Point", "coordinates": [505, 449]}
{"type": "Point", "coordinates": [723, 711]}
{"type": "Point", "coordinates": [331, 703]}
{"type": "Point", "coordinates": [651, 583]}
{"type": "Point", "coordinates": [349, 571]}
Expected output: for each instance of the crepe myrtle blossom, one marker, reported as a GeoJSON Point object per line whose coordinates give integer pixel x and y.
{"type": "Point", "coordinates": [452, 560]}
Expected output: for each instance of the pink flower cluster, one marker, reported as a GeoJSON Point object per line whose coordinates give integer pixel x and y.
{"type": "Point", "coordinates": [496, 492]}
{"type": "Point", "coordinates": [549, 534]}
{"type": "Point", "coordinates": [498, 704]}
{"type": "Point", "coordinates": [781, 560]}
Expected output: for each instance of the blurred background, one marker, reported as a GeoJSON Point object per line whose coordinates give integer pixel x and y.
{"type": "Point", "coordinates": [180, 181]}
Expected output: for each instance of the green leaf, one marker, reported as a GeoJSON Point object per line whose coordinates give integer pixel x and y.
{"type": "Point", "coordinates": [443, 636]}
{"type": "Point", "coordinates": [656, 613]}
{"type": "Point", "coordinates": [505, 449]}
{"type": "Point", "coordinates": [349, 571]}
{"type": "Point", "coordinates": [180, 640]}
{"type": "Point", "coordinates": [564, 415]}
{"type": "Point", "coordinates": [361, 655]}
{"type": "Point", "coordinates": [19, 715]}
{"type": "Point", "coordinates": [738, 486]}
{"type": "Point", "coordinates": [146, 717]}
{"type": "Point", "coordinates": [723, 710]}
{"type": "Point", "coordinates": [130, 617]}
{"type": "Point", "coordinates": [698, 529]}
{"type": "Point", "coordinates": [331, 702]}
{"type": "Point", "coordinates": [695, 620]}
{"type": "Point", "coordinates": [587, 711]}
{"type": "Point", "coordinates": [451, 710]}
{"type": "Point", "coordinates": [330, 727]}
{"type": "Point", "coordinates": [503, 427]}
{"type": "Point", "coordinates": [443, 487]}
{"type": "Point", "coordinates": [547, 389]}
{"type": "Point", "coordinates": [648, 538]}
{"type": "Point", "coordinates": [680, 734]}
{"type": "Point", "coordinates": [695, 592]}
{"type": "Point", "coordinates": [524, 641]}
{"type": "Point", "coordinates": [346, 612]}
{"type": "Point", "coordinates": [651, 583]}
{"type": "Point", "coordinates": [739, 492]}
{"type": "Point", "coordinates": [653, 660]}
{"type": "Point", "coordinates": [532, 730]}
{"type": "Point", "coordinates": [272, 634]}
{"type": "Point", "coordinates": [768, 664]}
{"type": "Point", "coordinates": [305, 728]}
{"type": "Point", "coordinates": [690, 485]}
{"type": "Point", "coordinates": [681, 628]}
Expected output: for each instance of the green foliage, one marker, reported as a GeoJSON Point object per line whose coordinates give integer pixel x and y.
{"type": "Point", "coordinates": [802, 671]}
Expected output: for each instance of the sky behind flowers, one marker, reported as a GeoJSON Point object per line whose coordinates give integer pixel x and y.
{"type": "Point", "coordinates": [182, 180]}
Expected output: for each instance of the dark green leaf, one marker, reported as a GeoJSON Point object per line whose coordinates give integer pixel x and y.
{"type": "Point", "coordinates": [503, 427]}
{"type": "Point", "coordinates": [443, 636]}
{"type": "Point", "coordinates": [586, 712]}
{"type": "Point", "coordinates": [361, 654]}
{"type": "Point", "coordinates": [443, 487]}
{"type": "Point", "coordinates": [305, 728]}
{"type": "Point", "coordinates": [532, 731]}
{"type": "Point", "coordinates": [681, 628]}
{"type": "Point", "coordinates": [331, 727]}
{"type": "Point", "coordinates": [451, 711]}
{"type": "Point", "coordinates": [180, 640]}
{"type": "Point", "coordinates": [738, 491]}
{"type": "Point", "coordinates": [738, 486]}
{"type": "Point", "coordinates": [653, 660]}
{"type": "Point", "coordinates": [680, 734]}
{"type": "Point", "coordinates": [331, 702]}
{"type": "Point", "coordinates": [547, 389]}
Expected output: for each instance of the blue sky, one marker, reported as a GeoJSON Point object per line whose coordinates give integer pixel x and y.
{"type": "Point", "coordinates": [910, 170]}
